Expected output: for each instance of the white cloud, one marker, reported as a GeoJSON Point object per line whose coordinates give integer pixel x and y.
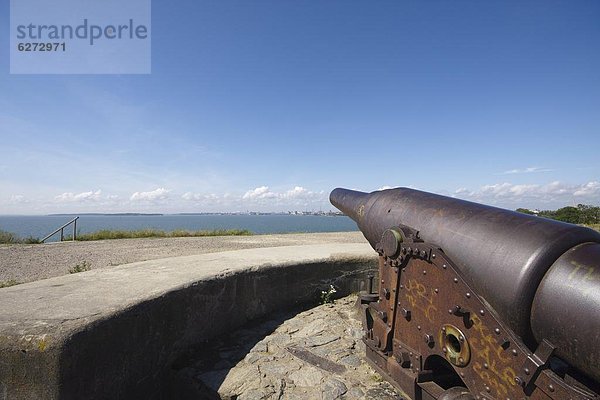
{"type": "Point", "coordinates": [300, 193]}
{"type": "Point", "coordinates": [527, 170]}
{"type": "Point", "coordinates": [18, 199]}
{"type": "Point", "coordinates": [297, 193]}
{"type": "Point", "coordinates": [589, 189]}
{"type": "Point", "coordinates": [557, 193]}
{"type": "Point", "coordinates": [189, 196]}
{"type": "Point", "coordinates": [155, 195]}
{"type": "Point", "coordinates": [386, 187]}
{"type": "Point", "coordinates": [261, 192]}
{"type": "Point", "coordinates": [69, 197]}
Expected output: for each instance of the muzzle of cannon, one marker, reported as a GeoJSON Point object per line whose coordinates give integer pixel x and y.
{"type": "Point", "coordinates": [478, 302]}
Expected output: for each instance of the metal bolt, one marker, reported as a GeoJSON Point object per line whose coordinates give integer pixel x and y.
{"type": "Point", "coordinates": [428, 339]}
{"type": "Point", "coordinates": [444, 350]}
{"type": "Point", "coordinates": [424, 272]}
{"type": "Point", "coordinates": [497, 330]}
{"type": "Point", "coordinates": [519, 381]}
{"type": "Point", "coordinates": [461, 338]}
{"type": "Point", "coordinates": [514, 351]}
{"type": "Point", "coordinates": [526, 371]}
{"type": "Point", "coordinates": [444, 266]}
{"type": "Point", "coordinates": [487, 389]}
{"type": "Point", "coordinates": [468, 295]}
{"type": "Point", "coordinates": [485, 365]}
{"type": "Point", "coordinates": [436, 290]}
{"type": "Point", "coordinates": [433, 256]}
{"type": "Point", "coordinates": [481, 312]}
{"type": "Point", "coordinates": [455, 280]}
{"type": "Point", "coordinates": [551, 388]}
{"type": "Point", "coordinates": [419, 327]}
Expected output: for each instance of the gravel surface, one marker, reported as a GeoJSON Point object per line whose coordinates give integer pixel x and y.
{"type": "Point", "coordinates": [26, 263]}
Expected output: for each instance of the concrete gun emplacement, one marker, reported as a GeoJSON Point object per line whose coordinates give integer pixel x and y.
{"type": "Point", "coordinates": [478, 302]}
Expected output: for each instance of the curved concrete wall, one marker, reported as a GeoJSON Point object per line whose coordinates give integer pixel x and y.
{"type": "Point", "coordinates": [115, 333]}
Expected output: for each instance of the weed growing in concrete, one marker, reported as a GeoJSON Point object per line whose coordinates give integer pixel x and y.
{"type": "Point", "coordinates": [327, 295]}
{"type": "Point", "coordinates": [82, 267]}
{"type": "Point", "coordinates": [8, 283]}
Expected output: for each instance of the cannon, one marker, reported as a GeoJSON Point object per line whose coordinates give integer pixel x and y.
{"type": "Point", "coordinates": [478, 302]}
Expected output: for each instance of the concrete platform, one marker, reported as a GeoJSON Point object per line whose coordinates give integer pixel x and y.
{"type": "Point", "coordinates": [114, 333]}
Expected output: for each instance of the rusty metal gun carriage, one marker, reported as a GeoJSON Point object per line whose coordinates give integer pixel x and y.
{"type": "Point", "coordinates": [477, 302]}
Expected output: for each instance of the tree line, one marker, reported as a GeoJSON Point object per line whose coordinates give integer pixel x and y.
{"type": "Point", "coordinates": [582, 214]}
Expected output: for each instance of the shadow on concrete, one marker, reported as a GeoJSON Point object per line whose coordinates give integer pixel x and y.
{"type": "Point", "coordinates": [145, 350]}
{"type": "Point", "coordinates": [199, 373]}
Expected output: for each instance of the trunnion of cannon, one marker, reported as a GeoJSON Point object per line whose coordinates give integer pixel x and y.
{"type": "Point", "coordinates": [441, 328]}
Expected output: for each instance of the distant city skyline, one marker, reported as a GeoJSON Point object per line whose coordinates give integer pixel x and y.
{"type": "Point", "coordinates": [268, 106]}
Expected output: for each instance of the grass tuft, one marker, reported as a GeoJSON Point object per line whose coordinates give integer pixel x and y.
{"type": "Point", "coordinates": [8, 283]}
{"type": "Point", "coordinates": [8, 237]}
{"type": "Point", "coordinates": [155, 233]}
{"type": "Point", "coordinates": [82, 267]}
{"type": "Point", "coordinates": [11, 238]}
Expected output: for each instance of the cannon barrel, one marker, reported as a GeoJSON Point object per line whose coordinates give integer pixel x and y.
{"type": "Point", "coordinates": [541, 276]}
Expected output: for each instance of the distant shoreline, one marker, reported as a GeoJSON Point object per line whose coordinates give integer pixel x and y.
{"type": "Point", "coordinates": [132, 214]}
{"type": "Point", "coordinates": [107, 214]}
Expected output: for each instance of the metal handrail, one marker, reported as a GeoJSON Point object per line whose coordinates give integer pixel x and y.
{"type": "Point", "coordinates": [61, 229]}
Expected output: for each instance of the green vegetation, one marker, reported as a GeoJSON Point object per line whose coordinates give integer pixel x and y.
{"type": "Point", "coordinates": [8, 237]}
{"type": "Point", "coordinates": [327, 295]}
{"type": "Point", "coordinates": [8, 283]}
{"type": "Point", "coordinates": [582, 214]}
{"type": "Point", "coordinates": [11, 238]}
{"type": "Point", "coordinates": [84, 266]}
{"type": "Point", "coordinates": [154, 233]}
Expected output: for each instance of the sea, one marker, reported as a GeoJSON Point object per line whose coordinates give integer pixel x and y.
{"type": "Point", "coordinates": [40, 226]}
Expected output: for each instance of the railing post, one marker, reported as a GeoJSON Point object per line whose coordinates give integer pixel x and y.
{"type": "Point", "coordinates": [62, 228]}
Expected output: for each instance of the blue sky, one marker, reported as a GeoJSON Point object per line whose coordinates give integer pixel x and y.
{"type": "Point", "coordinates": [269, 105]}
